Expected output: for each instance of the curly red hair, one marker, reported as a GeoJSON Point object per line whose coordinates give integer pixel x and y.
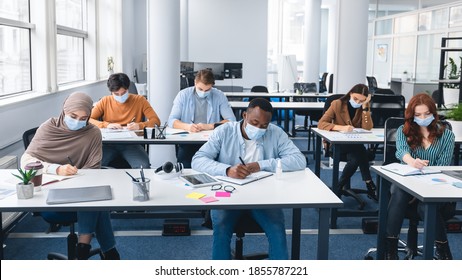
{"type": "Point", "coordinates": [412, 129]}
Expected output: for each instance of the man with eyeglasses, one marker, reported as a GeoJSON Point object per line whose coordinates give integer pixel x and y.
{"type": "Point", "coordinates": [121, 110]}
{"type": "Point", "coordinates": [259, 143]}
{"type": "Point", "coordinates": [197, 108]}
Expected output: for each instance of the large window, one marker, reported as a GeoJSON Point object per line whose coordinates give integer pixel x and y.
{"type": "Point", "coordinates": [71, 29]}
{"type": "Point", "coordinates": [15, 58]}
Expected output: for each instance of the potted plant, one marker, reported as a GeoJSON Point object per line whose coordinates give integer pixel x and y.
{"type": "Point", "coordinates": [451, 90]}
{"type": "Point", "coordinates": [25, 188]}
{"type": "Point", "coordinates": [110, 65]}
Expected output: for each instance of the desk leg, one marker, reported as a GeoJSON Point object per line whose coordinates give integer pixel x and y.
{"type": "Point", "coordinates": [429, 230]}
{"type": "Point", "coordinates": [323, 234]}
{"type": "Point", "coordinates": [296, 232]}
{"type": "Point", "coordinates": [384, 197]}
{"type": "Point", "coordinates": [456, 154]}
{"type": "Point", "coordinates": [334, 187]}
{"type": "Point", "coordinates": [317, 156]}
{"type": "Point", "coordinates": [2, 238]}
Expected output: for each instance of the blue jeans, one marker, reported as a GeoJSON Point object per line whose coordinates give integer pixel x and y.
{"type": "Point", "coordinates": [95, 223]}
{"type": "Point", "coordinates": [135, 155]}
{"type": "Point", "coordinates": [397, 206]}
{"type": "Point", "coordinates": [270, 220]}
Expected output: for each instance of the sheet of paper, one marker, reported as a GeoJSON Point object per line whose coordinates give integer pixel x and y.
{"type": "Point", "coordinates": [6, 192]}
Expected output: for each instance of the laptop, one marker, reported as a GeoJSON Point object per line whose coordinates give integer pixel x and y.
{"type": "Point", "coordinates": [82, 194]}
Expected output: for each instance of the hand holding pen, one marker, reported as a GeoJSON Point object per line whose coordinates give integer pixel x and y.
{"type": "Point", "coordinates": [132, 125]}
{"type": "Point", "coordinates": [67, 169]}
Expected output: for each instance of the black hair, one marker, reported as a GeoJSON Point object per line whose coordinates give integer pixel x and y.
{"type": "Point", "coordinates": [117, 81]}
{"type": "Point", "coordinates": [262, 103]}
{"type": "Point", "coordinates": [358, 88]}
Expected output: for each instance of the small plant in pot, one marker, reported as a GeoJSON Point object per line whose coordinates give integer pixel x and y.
{"type": "Point", "coordinates": [25, 188]}
{"type": "Point", "coordinates": [451, 90]}
{"type": "Point", "coordinates": [455, 113]}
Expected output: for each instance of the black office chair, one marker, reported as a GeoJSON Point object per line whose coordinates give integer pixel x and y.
{"type": "Point", "coordinates": [55, 223]}
{"type": "Point", "coordinates": [372, 83]}
{"type": "Point", "coordinates": [245, 224]}
{"type": "Point", "coordinates": [384, 91]}
{"type": "Point", "coordinates": [347, 190]}
{"type": "Point", "coordinates": [323, 82]}
{"type": "Point", "coordinates": [438, 98]}
{"type": "Point", "coordinates": [263, 89]}
{"type": "Point", "coordinates": [331, 84]}
{"type": "Point", "coordinates": [309, 116]}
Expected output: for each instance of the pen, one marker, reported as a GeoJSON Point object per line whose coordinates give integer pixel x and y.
{"type": "Point", "coordinates": [133, 178]}
{"type": "Point", "coordinates": [142, 174]}
{"type": "Point", "coordinates": [133, 120]}
{"type": "Point", "coordinates": [243, 163]}
{"type": "Point", "coordinates": [70, 160]}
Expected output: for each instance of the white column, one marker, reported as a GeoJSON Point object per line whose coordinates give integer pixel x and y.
{"type": "Point", "coordinates": [312, 40]}
{"type": "Point", "coordinates": [184, 30]}
{"type": "Point", "coordinates": [163, 30]}
{"type": "Point", "coordinates": [351, 44]}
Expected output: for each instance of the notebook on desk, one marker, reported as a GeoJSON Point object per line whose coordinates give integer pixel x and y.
{"type": "Point", "coordinates": [251, 178]}
{"type": "Point", "coordinates": [83, 194]}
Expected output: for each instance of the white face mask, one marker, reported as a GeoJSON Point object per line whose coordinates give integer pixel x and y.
{"type": "Point", "coordinates": [254, 132]}
{"type": "Point", "coordinates": [74, 124]}
{"type": "Point", "coordinates": [122, 98]}
{"type": "Point", "coordinates": [354, 104]}
{"type": "Point", "coordinates": [202, 94]}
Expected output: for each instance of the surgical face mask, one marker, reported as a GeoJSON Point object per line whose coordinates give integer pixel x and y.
{"type": "Point", "coordinates": [202, 94]}
{"type": "Point", "coordinates": [122, 98]}
{"type": "Point", "coordinates": [424, 122]}
{"type": "Point", "coordinates": [354, 104]}
{"type": "Point", "coordinates": [254, 132]}
{"type": "Point", "coordinates": [74, 124]}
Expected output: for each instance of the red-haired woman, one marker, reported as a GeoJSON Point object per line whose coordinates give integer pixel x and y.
{"type": "Point", "coordinates": [421, 141]}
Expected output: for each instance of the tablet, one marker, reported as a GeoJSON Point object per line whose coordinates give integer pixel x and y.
{"type": "Point", "coordinates": [199, 180]}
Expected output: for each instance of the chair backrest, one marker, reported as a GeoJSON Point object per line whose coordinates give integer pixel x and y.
{"type": "Point", "coordinates": [27, 136]}
{"type": "Point", "coordinates": [329, 101]}
{"type": "Point", "coordinates": [371, 83]}
{"type": "Point", "coordinates": [384, 106]}
{"type": "Point", "coordinates": [389, 150]}
{"type": "Point", "coordinates": [438, 97]}
{"type": "Point", "coordinates": [259, 89]}
{"type": "Point", "coordinates": [132, 88]}
{"type": "Point", "coordinates": [331, 84]}
{"type": "Point", "coordinates": [323, 82]}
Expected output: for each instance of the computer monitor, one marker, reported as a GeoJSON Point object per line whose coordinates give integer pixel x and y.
{"type": "Point", "coordinates": [233, 70]}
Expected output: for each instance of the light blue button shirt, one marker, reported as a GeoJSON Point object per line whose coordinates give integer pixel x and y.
{"type": "Point", "coordinates": [226, 144]}
{"type": "Point", "coordinates": [184, 104]}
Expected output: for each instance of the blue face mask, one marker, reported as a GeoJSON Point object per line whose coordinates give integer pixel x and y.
{"type": "Point", "coordinates": [122, 98]}
{"type": "Point", "coordinates": [354, 104]}
{"type": "Point", "coordinates": [202, 94]}
{"type": "Point", "coordinates": [74, 124]}
{"type": "Point", "coordinates": [424, 122]}
{"type": "Point", "coordinates": [254, 132]}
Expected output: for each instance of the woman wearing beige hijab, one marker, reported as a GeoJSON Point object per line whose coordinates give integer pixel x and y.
{"type": "Point", "coordinates": [70, 135]}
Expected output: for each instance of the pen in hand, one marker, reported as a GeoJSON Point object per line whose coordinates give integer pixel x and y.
{"type": "Point", "coordinates": [133, 120]}
{"type": "Point", "coordinates": [242, 161]}
{"type": "Point", "coordinates": [70, 161]}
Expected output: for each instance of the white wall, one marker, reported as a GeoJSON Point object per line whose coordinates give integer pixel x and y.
{"type": "Point", "coordinates": [230, 31]}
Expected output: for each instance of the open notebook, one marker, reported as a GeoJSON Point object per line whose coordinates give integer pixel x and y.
{"type": "Point", "coordinates": [251, 178]}
{"type": "Point", "coordinates": [82, 194]}
{"type": "Point", "coordinates": [406, 170]}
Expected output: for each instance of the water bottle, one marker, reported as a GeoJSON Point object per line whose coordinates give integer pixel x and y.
{"type": "Point", "coordinates": [278, 169]}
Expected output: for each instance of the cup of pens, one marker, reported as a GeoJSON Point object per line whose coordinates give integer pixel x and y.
{"type": "Point", "coordinates": [141, 189]}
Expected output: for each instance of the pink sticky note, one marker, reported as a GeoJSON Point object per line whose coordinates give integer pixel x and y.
{"type": "Point", "coordinates": [222, 194]}
{"type": "Point", "coordinates": [208, 199]}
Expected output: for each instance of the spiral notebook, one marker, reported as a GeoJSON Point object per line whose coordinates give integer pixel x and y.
{"type": "Point", "coordinates": [82, 194]}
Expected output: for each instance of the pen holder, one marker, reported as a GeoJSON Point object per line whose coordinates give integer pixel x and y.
{"type": "Point", "coordinates": [149, 133]}
{"type": "Point", "coordinates": [160, 132]}
{"type": "Point", "coordinates": [141, 189]}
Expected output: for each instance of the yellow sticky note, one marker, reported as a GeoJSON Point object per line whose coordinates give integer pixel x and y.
{"type": "Point", "coordinates": [195, 195]}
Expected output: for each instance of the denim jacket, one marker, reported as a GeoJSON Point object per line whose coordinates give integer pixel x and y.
{"type": "Point", "coordinates": [226, 144]}
{"type": "Point", "coordinates": [184, 104]}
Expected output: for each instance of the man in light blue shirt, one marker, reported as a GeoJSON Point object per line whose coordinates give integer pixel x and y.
{"type": "Point", "coordinates": [260, 144]}
{"type": "Point", "coordinates": [198, 108]}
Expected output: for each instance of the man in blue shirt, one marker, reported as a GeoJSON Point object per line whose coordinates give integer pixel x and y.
{"type": "Point", "coordinates": [198, 108]}
{"type": "Point", "coordinates": [260, 144]}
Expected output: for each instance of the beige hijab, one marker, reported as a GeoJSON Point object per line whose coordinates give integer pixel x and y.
{"type": "Point", "coordinates": [54, 142]}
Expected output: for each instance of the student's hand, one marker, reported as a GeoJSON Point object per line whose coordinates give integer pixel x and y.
{"type": "Point", "coordinates": [114, 126]}
{"type": "Point", "coordinates": [133, 126]}
{"type": "Point", "coordinates": [66, 170]}
{"type": "Point", "coordinates": [366, 102]}
{"type": "Point", "coordinates": [253, 167]}
{"type": "Point", "coordinates": [238, 171]}
{"type": "Point", "coordinates": [419, 163]}
{"type": "Point", "coordinates": [346, 128]}
{"type": "Point", "coordinates": [194, 127]}
{"type": "Point", "coordinates": [205, 126]}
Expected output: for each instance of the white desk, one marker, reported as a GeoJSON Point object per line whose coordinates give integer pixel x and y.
{"type": "Point", "coordinates": [285, 95]}
{"type": "Point", "coordinates": [429, 194]}
{"type": "Point", "coordinates": [301, 189]}
{"type": "Point", "coordinates": [188, 138]}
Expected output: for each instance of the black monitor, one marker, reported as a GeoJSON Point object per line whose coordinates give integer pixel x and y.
{"type": "Point", "coordinates": [232, 71]}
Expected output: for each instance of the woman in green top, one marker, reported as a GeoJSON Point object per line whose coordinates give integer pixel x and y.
{"type": "Point", "coordinates": [421, 141]}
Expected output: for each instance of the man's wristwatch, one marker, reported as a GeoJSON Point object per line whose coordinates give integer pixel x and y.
{"type": "Point", "coordinates": [366, 109]}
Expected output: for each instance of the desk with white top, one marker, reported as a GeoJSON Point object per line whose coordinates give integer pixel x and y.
{"type": "Point", "coordinates": [285, 95]}
{"type": "Point", "coordinates": [172, 136]}
{"type": "Point", "coordinates": [429, 194]}
{"type": "Point", "coordinates": [300, 189]}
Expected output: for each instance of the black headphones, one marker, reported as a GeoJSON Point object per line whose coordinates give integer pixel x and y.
{"type": "Point", "coordinates": [168, 167]}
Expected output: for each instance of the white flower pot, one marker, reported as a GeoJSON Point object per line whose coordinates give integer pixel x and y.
{"type": "Point", "coordinates": [451, 96]}
{"type": "Point", "coordinates": [25, 191]}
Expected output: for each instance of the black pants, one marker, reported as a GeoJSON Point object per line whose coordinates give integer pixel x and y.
{"type": "Point", "coordinates": [185, 153]}
{"type": "Point", "coordinates": [356, 156]}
